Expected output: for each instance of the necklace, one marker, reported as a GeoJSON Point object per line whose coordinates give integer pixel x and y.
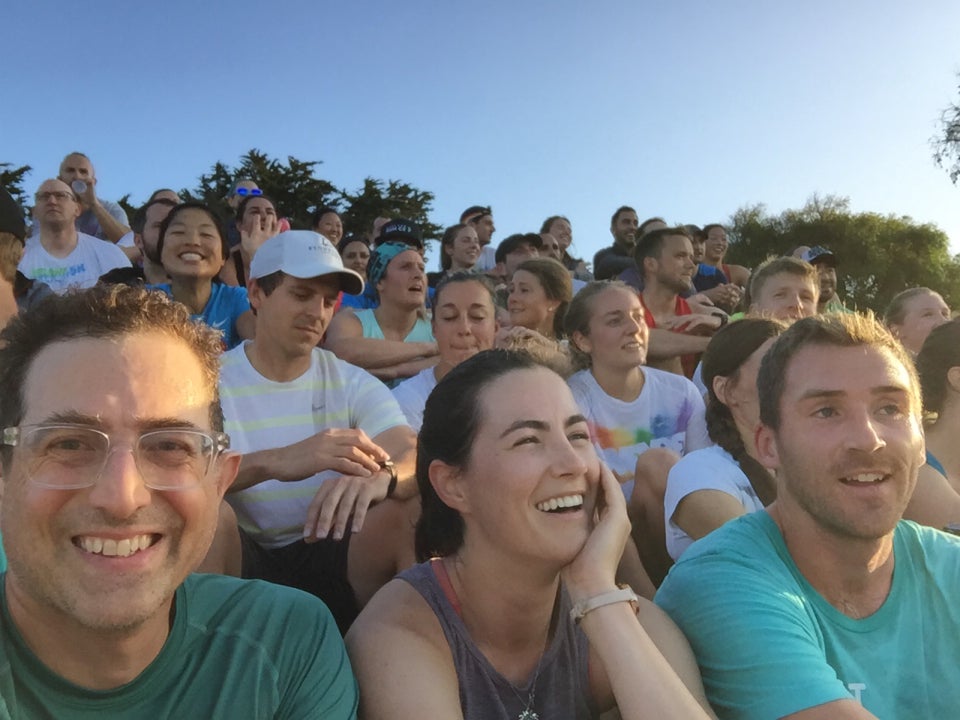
{"type": "Point", "coordinates": [528, 713]}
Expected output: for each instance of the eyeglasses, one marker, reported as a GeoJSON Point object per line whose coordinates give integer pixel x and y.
{"type": "Point", "coordinates": [56, 194]}
{"type": "Point", "coordinates": [71, 457]}
{"type": "Point", "coordinates": [243, 192]}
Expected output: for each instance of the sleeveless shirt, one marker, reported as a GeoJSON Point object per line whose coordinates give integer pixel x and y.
{"type": "Point", "coordinates": [561, 686]}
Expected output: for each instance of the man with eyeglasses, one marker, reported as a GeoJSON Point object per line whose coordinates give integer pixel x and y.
{"type": "Point", "coordinates": [114, 468]}
{"type": "Point", "coordinates": [61, 256]}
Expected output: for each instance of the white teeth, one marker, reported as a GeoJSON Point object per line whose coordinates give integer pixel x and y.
{"type": "Point", "coordinates": [115, 548]}
{"type": "Point", "coordinates": [191, 256]}
{"type": "Point", "coordinates": [564, 501]}
{"type": "Point", "coordinates": [866, 478]}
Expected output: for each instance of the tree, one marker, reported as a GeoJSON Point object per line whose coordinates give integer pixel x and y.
{"type": "Point", "coordinates": [396, 200]}
{"type": "Point", "coordinates": [878, 255]}
{"type": "Point", "coordinates": [292, 186]}
{"type": "Point", "coordinates": [946, 144]}
{"type": "Point", "coordinates": [12, 178]}
{"type": "Point", "coordinates": [297, 193]}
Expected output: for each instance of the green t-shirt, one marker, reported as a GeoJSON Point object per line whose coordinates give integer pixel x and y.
{"type": "Point", "coordinates": [237, 649]}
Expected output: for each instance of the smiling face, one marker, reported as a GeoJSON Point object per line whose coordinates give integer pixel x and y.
{"type": "Point", "coordinates": [405, 282]}
{"type": "Point", "coordinates": [330, 227]}
{"type": "Point", "coordinates": [849, 445]}
{"type": "Point", "coordinates": [624, 229]}
{"type": "Point", "coordinates": [531, 478]}
{"type": "Point", "coordinates": [464, 251]}
{"type": "Point", "coordinates": [464, 321]}
{"type": "Point", "coordinates": [58, 577]}
{"type": "Point", "coordinates": [715, 246]}
{"type": "Point", "coordinates": [921, 314]}
{"type": "Point", "coordinates": [192, 247]}
{"type": "Point", "coordinates": [617, 337]}
{"type": "Point", "coordinates": [529, 305]}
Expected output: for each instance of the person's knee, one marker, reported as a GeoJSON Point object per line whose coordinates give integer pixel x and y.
{"type": "Point", "coordinates": [652, 469]}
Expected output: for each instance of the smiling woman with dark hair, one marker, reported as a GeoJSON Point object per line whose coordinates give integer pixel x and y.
{"type": "Point", "coordinates": [516, 613]}
{"type": "Point", "coordinates": [193, 248]}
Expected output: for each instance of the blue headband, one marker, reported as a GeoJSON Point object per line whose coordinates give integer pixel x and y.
{"type": "Point", "coordinates": [380, 258]}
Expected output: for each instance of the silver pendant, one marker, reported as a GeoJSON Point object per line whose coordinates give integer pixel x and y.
{"type": "Point", "coordinates": [528, 714]}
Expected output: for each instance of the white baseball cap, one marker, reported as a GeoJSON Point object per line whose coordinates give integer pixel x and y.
{"type": "Point", "coordinates": [303, 254]}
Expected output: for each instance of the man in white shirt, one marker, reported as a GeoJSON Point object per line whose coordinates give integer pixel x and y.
{"type": "Point", "coordinates": [328, 463]}
{"type": "Point", "coordinates": [60, 255]}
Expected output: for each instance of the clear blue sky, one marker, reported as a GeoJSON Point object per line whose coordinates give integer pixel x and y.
{"type": "Point", "coordinates": [687, 110]}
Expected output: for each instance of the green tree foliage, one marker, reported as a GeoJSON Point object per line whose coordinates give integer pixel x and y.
{"type": "Point", "coordinates": [877, 255]}
{"type": "Point", "coordinates": [946, 144]}
{"type": "Point", "coordinates": [12, 179]}
{"type": "Point", "coordinates": [394, 199]}
{"type": "Point", "coordinates": [291, 184]}
{"type": "Point", "coordinates": [127, 206]}
{"type": "Point", "coordinates": [297, 193]}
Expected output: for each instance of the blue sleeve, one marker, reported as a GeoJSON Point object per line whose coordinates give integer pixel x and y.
{"type": "Point", "coordinates": [760, 652]}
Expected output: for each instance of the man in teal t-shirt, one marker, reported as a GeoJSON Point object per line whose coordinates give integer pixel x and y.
{"type": "Point", "coordinates": [797, 610]}
{"type": "Point", "coordinates": [114, 469]}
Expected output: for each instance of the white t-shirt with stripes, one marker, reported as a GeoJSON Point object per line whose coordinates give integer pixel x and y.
{"type": "Point", "coordinates": [261, 414]}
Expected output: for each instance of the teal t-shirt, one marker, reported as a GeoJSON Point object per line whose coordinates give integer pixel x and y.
{"type": "Point", "coordinates": [769, 644]}
{"type": "Point", "coordinates": [3, 557]}
{"type": "Point", "coordinates": [237, 649]}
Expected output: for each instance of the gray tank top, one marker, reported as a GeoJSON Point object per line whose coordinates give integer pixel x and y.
{"type": "Point", "coordinates": [562, 687]}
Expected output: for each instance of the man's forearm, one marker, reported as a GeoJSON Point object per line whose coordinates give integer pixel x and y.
{"type": "Point", "coordinates": [112, 229]}
{"type": "Point", "coordinates": [255, 468]}
{"type": "Point", "coordinates": [665, 344]}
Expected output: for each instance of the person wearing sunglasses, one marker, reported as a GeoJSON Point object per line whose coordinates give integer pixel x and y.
{"type": "Point", "coordinates": [239, 191]}
{"type": "Point", "coordinates": [61, 256]}
{"type": "Point", "coordinates": [114, 477]}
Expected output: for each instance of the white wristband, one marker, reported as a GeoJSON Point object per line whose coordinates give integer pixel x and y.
{"type": "Point", "coordinates": [623, 594]}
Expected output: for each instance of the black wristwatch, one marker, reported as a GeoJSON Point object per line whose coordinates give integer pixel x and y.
{"type": "Point", "coordinates": [392, 469]}
{"type": "Point", "coordinates": [724, 318]}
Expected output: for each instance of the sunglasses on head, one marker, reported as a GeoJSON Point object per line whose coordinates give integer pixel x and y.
{"type": "Point", "coordinates": [243, 192]}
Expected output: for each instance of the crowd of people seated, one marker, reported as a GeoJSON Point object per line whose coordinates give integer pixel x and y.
{"type": "Point", "coordinates": [255, 470]}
